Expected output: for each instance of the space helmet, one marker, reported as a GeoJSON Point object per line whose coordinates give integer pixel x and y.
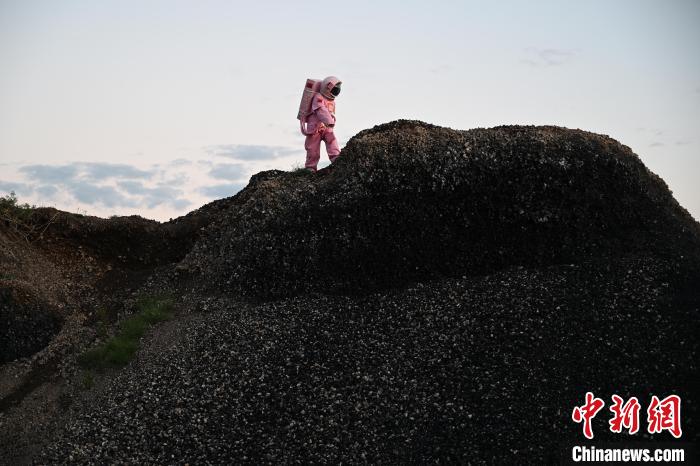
{"type": "Point", "coordinates": [330, 87]}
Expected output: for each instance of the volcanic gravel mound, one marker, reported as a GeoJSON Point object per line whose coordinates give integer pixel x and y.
{"type": "Point", "coordinates": [408, 201]}
{"type": "Point", "coordinates": [475, 370]}
{"type": "Point", "coordinates": [439, 296]}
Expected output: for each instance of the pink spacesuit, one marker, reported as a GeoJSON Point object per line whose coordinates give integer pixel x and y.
{"type": "Point", "coordinates": [320, 122]}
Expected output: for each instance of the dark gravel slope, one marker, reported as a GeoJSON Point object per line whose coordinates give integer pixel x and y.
{"type": "Point", "coordinates": [484, 369]}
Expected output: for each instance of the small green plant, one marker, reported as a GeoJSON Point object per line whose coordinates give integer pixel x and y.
{"type": "Point", "coordinates": [302, 172]}
{"type": "Point", "coordinates": [121, 348]}
{"type": "Point", "coordinates": [299, 170]}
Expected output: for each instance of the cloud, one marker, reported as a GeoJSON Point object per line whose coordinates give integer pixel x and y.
{"type": "Point", "coordinates": [174, 178]}
{"type": "Point", "coordinates": [250, 152]}
{"type": "Point", "coordinates": [682, 143]}
{"type": "Point", "coordinates": [47, 191]}
{"type": "Point", "coordinates": [153, 197]}
{"type": "Point", "coordinates": [109, 185]}
{"type": "Point", "coordinates": [103, 171]}
{"type": "Point", "coordinates": [89, 171]}
{"type": "Point", "coordinates": [180, 162]}
{"type": "Point", "coordinates": [180, 204]}
{"type": "Point", "coordinates": [219, 191]}
{"type": "Point", "coordinates": [133, 187]}
{"type": "Point", "coordinates": [656, 144]}
{"type": "Point", "coordinates": [227, 171]}
{"type": "Point", "coordinates": [170, 187]}
{"type": "Point", "coordinates": [50, 174]}
{"type": "Point", "coordinates": [22, 189]}
{"type": "Point", "coordinates": [540, 57]}
{"type": "Point", "coordinates": [107, 196]}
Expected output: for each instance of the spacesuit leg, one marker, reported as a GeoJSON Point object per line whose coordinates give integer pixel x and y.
{"type": "Point", "coordinates": [331, 145]}
{"type": "Point", "coordinates": [313, 150]}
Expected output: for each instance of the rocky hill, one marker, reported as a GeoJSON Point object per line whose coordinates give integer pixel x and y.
{"type": "Point", "coordinates": [413, 201]}
{"type": "Point", "coordinates": [437, 295]}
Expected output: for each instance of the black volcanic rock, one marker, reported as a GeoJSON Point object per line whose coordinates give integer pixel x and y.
{"type": "Point", "coordinates": [409, 200]}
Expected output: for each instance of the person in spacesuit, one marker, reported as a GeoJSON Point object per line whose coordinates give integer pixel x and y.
{"type": "Point", "coordinates": [320, 124]}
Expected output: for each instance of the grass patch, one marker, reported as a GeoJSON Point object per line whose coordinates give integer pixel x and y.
{"type": "Point", "coordinates": [121, 348]}
{"type": "Point", "coordinates": [298, 170]}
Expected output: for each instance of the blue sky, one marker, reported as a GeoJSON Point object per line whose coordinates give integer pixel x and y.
{"type": "Point", "coordinates": [156, 107]}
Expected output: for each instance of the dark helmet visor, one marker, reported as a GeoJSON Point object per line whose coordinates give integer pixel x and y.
{"type": "Point", "coordinates": [336, 90]}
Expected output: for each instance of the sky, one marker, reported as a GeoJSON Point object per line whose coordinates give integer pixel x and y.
{"type": "Point", "coordinates": [158, 107]}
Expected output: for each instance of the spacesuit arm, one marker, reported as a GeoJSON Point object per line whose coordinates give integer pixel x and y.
{"type": "Point", "coordinates": [323, 114]}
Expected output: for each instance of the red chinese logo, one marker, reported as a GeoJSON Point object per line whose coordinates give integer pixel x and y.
{"type": "Point", "coordinates": [626, 415]}
{"type": "Point", "coordinates": [665, 415]}
{"type": "Point", "coordinates": [587, 412]}
{"type": "Point", "coordinates": [661, 415]}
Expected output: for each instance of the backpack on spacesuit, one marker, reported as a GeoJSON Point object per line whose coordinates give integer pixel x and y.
{"type": "Point", "coordinates": [310, 89]}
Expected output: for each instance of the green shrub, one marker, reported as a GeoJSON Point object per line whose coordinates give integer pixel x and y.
{"type": "Point", "coordinates": [121, 348]}
{"type": "Point", "coordinates": [18, 215]}
{"type": "Point", "coordinates": [133, 328]}
{"type": "Point", "coordinates": [155, 309]}
{"type": "Point", "coordinates": [9, 203]}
